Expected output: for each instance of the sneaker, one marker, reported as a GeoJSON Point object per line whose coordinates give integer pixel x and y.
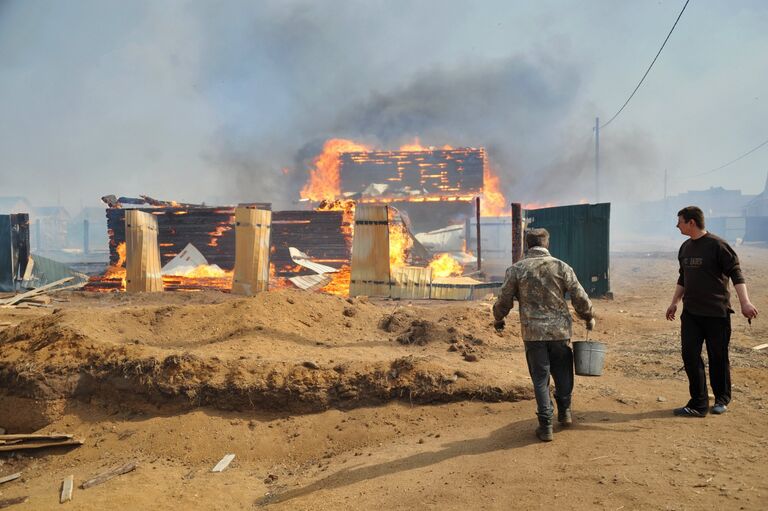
{"type": "Point", "coordinates": [687, 411]}
{"type": "Point", "coordinates": [719, 409]}
{"type": "Point", "coordinates": [565, 418]}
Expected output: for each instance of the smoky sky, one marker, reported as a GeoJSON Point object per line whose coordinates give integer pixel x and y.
{"type": "Point", "coordinates": [228, 101]}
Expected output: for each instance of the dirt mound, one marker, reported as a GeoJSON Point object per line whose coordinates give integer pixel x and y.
{"type": "Point", "coordinates": [281, 350]}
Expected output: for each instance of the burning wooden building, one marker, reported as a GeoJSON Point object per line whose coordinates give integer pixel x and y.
{"type": "Point", "coordinates": [431, 187]}
{"type": "Point", "coordinates": [324, 234]}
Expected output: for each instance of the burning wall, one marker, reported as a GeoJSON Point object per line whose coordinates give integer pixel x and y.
{"type": "Point", "coordinates": [434, 173]}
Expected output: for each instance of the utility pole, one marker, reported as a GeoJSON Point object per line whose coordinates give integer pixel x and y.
{"type": "Point", "coordinates": [597, 159]}
{"type": "Point", "coordinates": [665, 193]}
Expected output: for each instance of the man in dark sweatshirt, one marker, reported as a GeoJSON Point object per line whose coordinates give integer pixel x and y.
{"type": "Point", "coordinates": [706, 264]}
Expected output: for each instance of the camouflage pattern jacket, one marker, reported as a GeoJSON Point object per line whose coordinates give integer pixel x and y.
{"type": "Point", "coordinates": [539, 283]}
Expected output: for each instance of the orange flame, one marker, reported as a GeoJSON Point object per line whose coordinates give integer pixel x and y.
{"type": "Point", "coordinates": [538, 205]}
{"type": "Point", "coordinates": [400, 241]}
{"type": "Point", "coordinates": [444, 265]}
{"type": "Point", "coordinates": [219, 231]}
{"type": "Point", "coordinates": [340, 283]}
{"type": "Point", "coordinates": [493, 202]}
{"type": "Point", "coordinates": [413, 146]}
{"type": "Point", "coordinates": [324, 180]}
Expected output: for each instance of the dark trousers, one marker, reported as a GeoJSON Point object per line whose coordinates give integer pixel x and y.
{"type": "Point", "coordinates": [716, 332]}
{"type": "Point", "coordinates": [545, 358]}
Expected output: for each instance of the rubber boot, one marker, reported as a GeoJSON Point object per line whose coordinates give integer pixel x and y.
{"type": "Point", "coordinates": [544, 431]}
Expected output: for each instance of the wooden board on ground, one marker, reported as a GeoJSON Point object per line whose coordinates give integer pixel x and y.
{"type": "Point", "coordinates": [37, 436]}
{"type": "Point", "coordinates": [16, 299]}
{"type": "Point", "coordinates": [224, 463]}
{"type": "Point", "coordinates": [9, 478]}
{"type": "Point", "coordinates": [66, 489]}
{"type": "Point", "coordinates": [142, 256]}
{"type": "Point", "coordinates": [109, 474]}
{"type": "Point", "coordinates": [370, 252]}
{"type": "Point", "coordinates": [12, 502]}
{"type": "Point", "coordinates": [760, 346]}
{"type": "Point", "coordinates": [38, 445]}
{"type": "Point", "coordinates": [252, 240]}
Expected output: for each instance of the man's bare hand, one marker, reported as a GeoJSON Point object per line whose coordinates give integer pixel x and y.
{"type": "Point", "coordinates": [499, 325]}
{"type": "Point", "coordinates": [749, 310]}
{"type": "Point", "coordinates": [591, 324]}
{"type": "Point", "coordinates": [671, 310]}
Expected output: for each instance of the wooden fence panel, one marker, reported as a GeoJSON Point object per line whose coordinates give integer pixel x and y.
{"type": "Point", "coordinates": [370, 252]}
{"type": "Point", "coordinates": [142, 257]}
{"type": "Point", "coordinates": [252, 236]}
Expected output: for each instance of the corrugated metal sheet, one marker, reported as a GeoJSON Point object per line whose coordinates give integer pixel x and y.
{"type": "Point", "coordinates": [411, 282]}
{"type": "Point", "coordinates": [46, 270]}
{"type": "Point", "coordinates": [14, 249]}
{"type": "Point", "coordinates": [370, 252]}
{"type": "Point", "coordinates": [462, 288]}
{"type": "Point", "coordinates": [252, 232]}
{"type": "Point", "coordinates": [579, 235]}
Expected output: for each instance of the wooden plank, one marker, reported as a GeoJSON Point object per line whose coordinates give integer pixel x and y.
{"type": "Point", "coordinates": [34, 292]}
{"type": "Point", "coordinates": [142, 255]}
{"type": "Point", "coordinates": [109, 474]}
{"type": "Point", "coordinates": [9, 478]}
{"type": "Point", "coordinates": [760, 346]}
{"type": "Point", "coordinates": [370, 272]}
{"type": "Point", "coordinates": [12, 502]}
{"type": "Point", "coordinates": [22, 436]}
{"type": "Point", "coordinates": [252, 250]}
{"type": "Point", "coordinates": [66, 489]}
{"type": "Point", "coordinates": [224, 463]}
{"type": "Point", "coordinates": [39, 445]}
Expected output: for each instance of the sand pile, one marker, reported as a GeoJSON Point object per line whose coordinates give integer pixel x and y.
{"type": "Point", "coordinates": [281, 350]}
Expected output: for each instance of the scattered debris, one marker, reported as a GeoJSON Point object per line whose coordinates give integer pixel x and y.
{"type": "Point", "coordinates": [22, 442]}
{"type": "Point", "coordinates": [66, 489]}
{"type": "Point", "coordinates": [224, 463]}
{"type": "Point", "coordinates": [12, 502]}
{"type": "Point", "coordinates": [661, 399]}
{"type": "Point", "coordinates": [310, 282]}
{"type": "Point", "coordinates": [760, 347]}
{"type": "Point", "coordinates": [35, 296]}
{"type": "Point", "coordinates": [9, 478]}
{"type": "Point", "coordinates": [417, 333]}
{"type": "Point", "coordinates": [309, 364]}
{"type": "Point", "coordinates": [271, 478]}
{"type": "Point", "coordinates": [109, 474]}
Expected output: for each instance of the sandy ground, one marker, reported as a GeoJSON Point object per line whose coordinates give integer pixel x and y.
{"type": "Point", "coordinates": [362, 404]}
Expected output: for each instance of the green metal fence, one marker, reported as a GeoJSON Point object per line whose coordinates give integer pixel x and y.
{"type": "Point", "coordinates": [579, 235]}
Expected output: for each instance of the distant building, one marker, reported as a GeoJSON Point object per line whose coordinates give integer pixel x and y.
{"type": "Point", "coordinates": [11, 205]}
{"type": "Point", "coordinates": [759, 205]}
{"type": "Point", "coordinates": [49, 226]}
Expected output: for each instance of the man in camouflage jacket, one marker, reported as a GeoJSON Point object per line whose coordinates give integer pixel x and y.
{"type": "Point", "coordinates": [539, 283]}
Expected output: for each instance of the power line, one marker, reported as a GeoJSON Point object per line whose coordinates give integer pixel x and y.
{"type": "Point", "coordinates": [649, 67]}
{"type": "Point", "coordinates": [727, 164]}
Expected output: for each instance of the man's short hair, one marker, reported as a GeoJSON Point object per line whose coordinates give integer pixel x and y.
{"type": "Point", "coordinates": [537, 238]}
{"type": "Point", "coordinates": [692, 213]}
